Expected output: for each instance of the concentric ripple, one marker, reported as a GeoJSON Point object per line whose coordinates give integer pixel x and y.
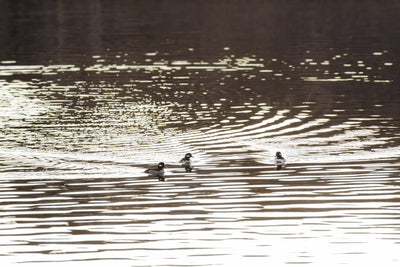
{"type": "Point", "coordinates": [239, 103]}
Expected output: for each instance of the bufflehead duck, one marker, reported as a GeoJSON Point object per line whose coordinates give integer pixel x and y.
{"type": "Point", "coordinates": [159, 172]}
{"type": "Point", "coordinates": [279, 161]}
{"type": "Point", "coordinates": [186, 162]}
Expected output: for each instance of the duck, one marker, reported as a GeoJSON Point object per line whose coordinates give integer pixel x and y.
{"type": "Point", "coordinates": [279, 160]}
{"type": "Point", "coordinates": [186, 162]}
{"type": "Point", "coordinates": [157, 172]}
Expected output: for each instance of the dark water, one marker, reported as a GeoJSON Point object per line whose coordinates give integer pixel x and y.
{"type": "Point", "coordinates": [95, 92]}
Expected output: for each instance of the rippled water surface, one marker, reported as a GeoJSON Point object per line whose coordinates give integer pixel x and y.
{"type": "Point", "coordinates": [93, 93]}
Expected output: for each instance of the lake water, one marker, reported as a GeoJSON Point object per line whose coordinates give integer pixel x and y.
{"type": "Point", "coordinates": [95, 92]}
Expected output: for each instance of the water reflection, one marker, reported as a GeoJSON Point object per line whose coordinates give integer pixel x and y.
{"type": "Point", "coordinates": [206, 102]}
{"type": "Point", "coordinates": [205, 217]}
{"type": "Point", "coordinates": [74, 151]}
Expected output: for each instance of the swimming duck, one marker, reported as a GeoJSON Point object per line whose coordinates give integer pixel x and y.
{"type": "Point", "coordinates": [186, 162]}
{"type": "Point", "coordinates": [159, 172]}
{"type": "Point", "coordinates": [279, 161]}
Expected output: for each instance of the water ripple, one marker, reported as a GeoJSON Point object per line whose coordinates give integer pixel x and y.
{"type": "Point", "coordinates": [73, 151]}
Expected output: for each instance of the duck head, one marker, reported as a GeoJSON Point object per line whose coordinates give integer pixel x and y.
{"type": "Point", "coordinates": [161, 165]}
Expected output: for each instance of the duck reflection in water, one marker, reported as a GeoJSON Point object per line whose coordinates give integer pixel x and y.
{"type": "Point", "coordinates": [279, 161]}
{"type": "Point", "coordinates": [186, 162]}
{"type": "Point", "coordinates": [157, 172]}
